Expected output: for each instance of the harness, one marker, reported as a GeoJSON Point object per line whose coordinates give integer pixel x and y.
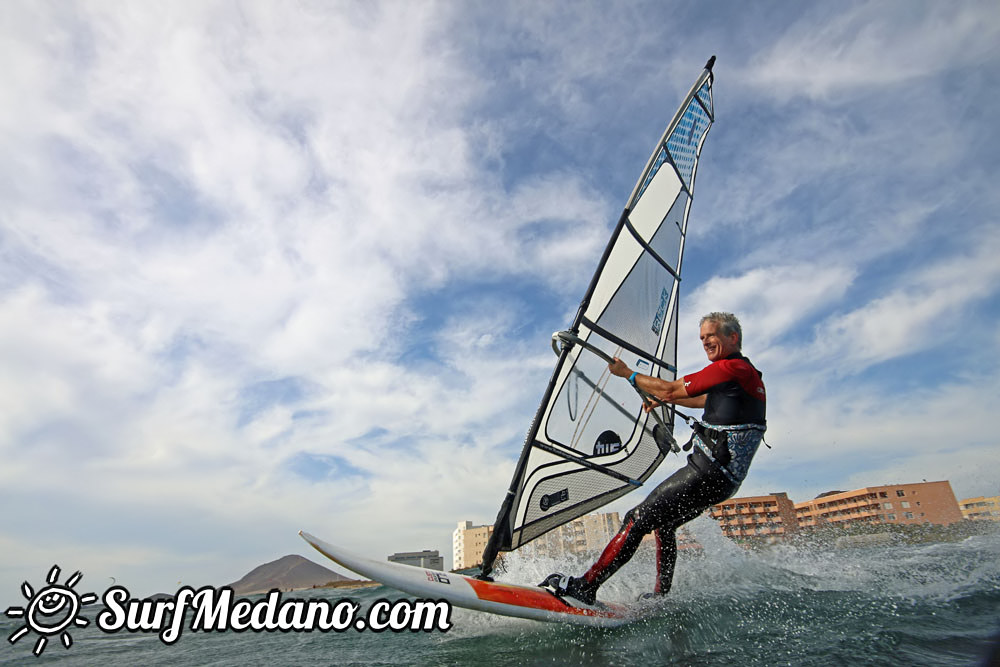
{"type": "Point", "coordinates": [717, 441]}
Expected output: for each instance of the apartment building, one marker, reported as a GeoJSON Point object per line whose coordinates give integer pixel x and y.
{"type": "Point", "coordinates": [468, 543]}
{"type": "Point", "coordinates": [906, 504]}
{"type": "Point", "coordinates": [584, 535]}
{"type": "Point", "coordinates": [426, 558]}
{"type": "Point", "coordinates": [756, 516]}
{"type": "Point", "coordinates": [981, 508]}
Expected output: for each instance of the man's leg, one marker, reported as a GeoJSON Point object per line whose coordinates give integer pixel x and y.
{"type": "Point", "coordinates": [666, 558]}
{"type": "Point", "coordinates": [678, 499]}
{"type": "Point", "coordinates": [705, 490]}
{"type": "Point", "coordinates": [620, 549]}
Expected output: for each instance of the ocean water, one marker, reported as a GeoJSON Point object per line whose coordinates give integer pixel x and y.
{"type": "Point", "coordinates": [930, 604]}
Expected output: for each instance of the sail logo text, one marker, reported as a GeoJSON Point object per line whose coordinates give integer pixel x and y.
{"type": "Point", "coordinates": [552, 499]}
{"type": "Point", "coordinates": [661, 312]}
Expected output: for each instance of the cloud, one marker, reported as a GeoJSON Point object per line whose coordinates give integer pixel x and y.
{"type": "Point", "coordinates": [861, 48]}
{"type": "Point", "coordinates": [930, 306]}
{"type": "Point", "coordinates": [772, 302]}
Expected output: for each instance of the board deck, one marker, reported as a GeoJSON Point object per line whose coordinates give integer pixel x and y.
{"type": "Point", "coordinates": [532, 602]}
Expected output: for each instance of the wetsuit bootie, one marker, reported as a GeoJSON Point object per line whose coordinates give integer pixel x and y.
{"type": "Point", "coordinates": [581, 590]}
{"type": "Point", "coordinates": [573, 587]}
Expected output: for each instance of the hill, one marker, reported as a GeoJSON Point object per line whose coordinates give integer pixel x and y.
{"type": "Point", "coordinates": [287, 573]}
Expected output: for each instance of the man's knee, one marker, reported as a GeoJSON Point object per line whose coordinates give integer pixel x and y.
{"type": "Point", "coordinates": [641, 520]}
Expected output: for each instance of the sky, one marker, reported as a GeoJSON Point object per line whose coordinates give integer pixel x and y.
{"type": "Point", "coordinates": [276, 266]}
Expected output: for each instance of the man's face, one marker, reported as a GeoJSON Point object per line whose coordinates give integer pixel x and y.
{"type": "Point", "coordinates": [717, 346]}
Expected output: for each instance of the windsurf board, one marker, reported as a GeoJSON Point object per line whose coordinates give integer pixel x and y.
{"type": "Point", "coordinates": [506, 599]}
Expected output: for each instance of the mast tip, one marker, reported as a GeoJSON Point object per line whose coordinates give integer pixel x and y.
{"type": "Point", "coordinates": [710, 63]}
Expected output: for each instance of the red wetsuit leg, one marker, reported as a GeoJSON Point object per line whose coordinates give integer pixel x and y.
{"type": "Point", "coordinates": [618, 552]}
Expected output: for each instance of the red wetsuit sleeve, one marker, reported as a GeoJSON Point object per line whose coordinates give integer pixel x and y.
{"type": "Point", "coordinates": [726, 370]}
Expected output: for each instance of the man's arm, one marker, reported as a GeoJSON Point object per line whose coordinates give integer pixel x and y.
{"type": "Point", "coordinates": [668, 391]}
{"type": "Point", "coordinates": [697, 402]}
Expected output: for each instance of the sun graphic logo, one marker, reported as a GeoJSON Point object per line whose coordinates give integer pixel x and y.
{"type": "Point", "coordinates": [51, 611]}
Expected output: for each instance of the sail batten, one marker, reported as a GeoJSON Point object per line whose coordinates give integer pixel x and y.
{"type": "Point", "coordinates": [652, 253]}
{"type": "Point", "coordinates": [584, 462]}
{"type": "Point", "coordinates": [651, 358]}
{"type": "Point", "coordinates": [591, 441]}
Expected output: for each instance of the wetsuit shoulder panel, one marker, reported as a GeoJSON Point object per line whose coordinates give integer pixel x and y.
{"type": "Point", "coordinates": [737, 370]}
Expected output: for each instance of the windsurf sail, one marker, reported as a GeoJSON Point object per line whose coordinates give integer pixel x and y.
{"type": "Point", "coordinates": [590, 441]}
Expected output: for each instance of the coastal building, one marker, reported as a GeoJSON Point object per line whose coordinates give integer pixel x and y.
{"type": "Point", "coordinates": [467, 544]}
{"type": "Point", "coordinates": [906, 504]}
{"type": "Point", "coordinates": [756, 516]}
{"type": "Point", "coordinates": [582, 535]}
{"type": "Point", "coordinates": [429, 559]}
{"type": "Point", "coordinates": [980, 508]}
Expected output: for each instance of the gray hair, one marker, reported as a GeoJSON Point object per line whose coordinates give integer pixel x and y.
{"type": "Point", "coordinates": [728, 324]}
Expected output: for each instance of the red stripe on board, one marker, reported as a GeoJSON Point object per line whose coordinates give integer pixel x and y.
{"type": "Point", "coordinates": [528, 597]}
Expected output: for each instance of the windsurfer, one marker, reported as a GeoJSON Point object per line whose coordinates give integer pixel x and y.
{"type": "Point", "coordinates": [731, 392]}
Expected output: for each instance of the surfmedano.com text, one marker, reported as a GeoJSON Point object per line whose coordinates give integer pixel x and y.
{"type": "Point", "coordinates": [218, 610]}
